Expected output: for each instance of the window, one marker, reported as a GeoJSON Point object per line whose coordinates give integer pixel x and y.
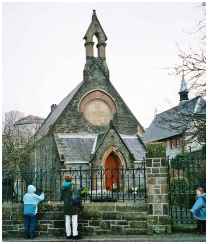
{"type": "Point", "coordinates": [97, 107]}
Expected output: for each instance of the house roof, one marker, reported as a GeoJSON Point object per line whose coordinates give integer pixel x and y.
{"type": "Point", "coordinates": [53, 116]}
{"type": "Point", "coordinates": [30, 119]}
{"type": "Point", "coordinates": [169, 123]}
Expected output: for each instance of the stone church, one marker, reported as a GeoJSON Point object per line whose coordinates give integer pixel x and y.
{"type": "Point", "coordinates": [92, 125]}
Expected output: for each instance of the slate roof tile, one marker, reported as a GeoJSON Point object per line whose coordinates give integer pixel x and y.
{"type": "Point", "coordinates": [169, 123]}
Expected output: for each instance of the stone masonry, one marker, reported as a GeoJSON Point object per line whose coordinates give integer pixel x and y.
{"type": "Point", "coordinates": [158, 220]}
{"type": "Point", "coordinates": [95, 219]}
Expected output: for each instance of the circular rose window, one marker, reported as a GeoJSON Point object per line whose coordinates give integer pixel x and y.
{"type": "Point", "coordinates": [98, 108]}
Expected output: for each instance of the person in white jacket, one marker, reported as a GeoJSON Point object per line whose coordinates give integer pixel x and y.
{"type": "Point", "coordinates": [31, 201]}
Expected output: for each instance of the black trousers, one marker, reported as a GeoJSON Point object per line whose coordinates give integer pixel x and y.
{"type": "Point", "coordinates": [30, 223]}
{"type": "Point", "coordinates": [201, 226]}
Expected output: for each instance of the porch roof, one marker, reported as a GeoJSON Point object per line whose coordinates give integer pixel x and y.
{"type": "Point", "coordinates": [75, 147]}
{"type": "Point", "coordinates": [79, 147]}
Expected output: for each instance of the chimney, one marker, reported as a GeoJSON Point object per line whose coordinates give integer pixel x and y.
{"type": "Point", "coordinates": [53, 107]}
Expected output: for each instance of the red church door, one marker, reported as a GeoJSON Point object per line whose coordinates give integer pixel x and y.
{"type": "Point", "coordinates": [112, 172]}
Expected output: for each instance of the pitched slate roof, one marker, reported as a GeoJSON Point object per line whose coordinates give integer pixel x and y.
{"type": "Point", "coordinates": [169, 123]}
{"type": "Point", "coordinates": [53, 116]}
{"type": "Point", "coordinates": [135, 146]}
{"type": "Point", "coordinates": [80, 147]}
{"type": "Point", "coordinates": [30, 119]}
{"type": "Point", "coordinates": [75, 147]}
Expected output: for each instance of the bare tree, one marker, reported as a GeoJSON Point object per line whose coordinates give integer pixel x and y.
{"type": "Point", "coordinates": [184, 120]}
{"type": "Point", "coordinates": [10, 155]}
{"type": "Point", "coordinates": [193, 61]}
{"type": "Point", "coordinates": [15, 146]}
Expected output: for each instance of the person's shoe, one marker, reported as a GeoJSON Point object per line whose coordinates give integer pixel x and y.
{"type": "Point", "coordinates": [68, 237]}
{"type": "Point", "coordinates": [76, 237]}
{"type": "Point", "coordinates": [26, 236]}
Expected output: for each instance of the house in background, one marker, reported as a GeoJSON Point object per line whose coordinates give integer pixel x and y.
{"type": "Point", "coordinates": [174, 127]}
{"type": "Point", "coordinates": [26, 127]}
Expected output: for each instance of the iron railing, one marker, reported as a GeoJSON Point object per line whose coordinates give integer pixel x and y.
{"type": "Point", "coordinates": [185, 175]}
{"type": "Point", "coordinates": [97, 184]}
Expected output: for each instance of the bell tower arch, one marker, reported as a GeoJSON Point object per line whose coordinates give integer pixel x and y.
{"type": "Point", "coordinates": [95, 30]}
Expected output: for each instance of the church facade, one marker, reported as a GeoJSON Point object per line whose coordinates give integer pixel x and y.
{"type": "Point", "coordinates": [92, 126]}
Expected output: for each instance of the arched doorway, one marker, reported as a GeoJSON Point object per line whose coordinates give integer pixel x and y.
{"type": "Point", "coordinates": [112, 166]}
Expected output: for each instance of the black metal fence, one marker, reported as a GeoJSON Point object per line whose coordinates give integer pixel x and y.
{"type": "Point", "coordinates": [97, 184]}
{"type": "Point", "coordinates": [185, 175]}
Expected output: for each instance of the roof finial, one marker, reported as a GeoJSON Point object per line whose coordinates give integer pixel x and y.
{"type": "Point", "coordinates": [155, 112]}
{"type": "Point", "coordinates": [183, 74]}
{"type": "Point", "coordinates": [183, 89]}
{"type": "Point", "coordinates": [183, 83]}
{"type": "Point", "coordinates": [93, 13]}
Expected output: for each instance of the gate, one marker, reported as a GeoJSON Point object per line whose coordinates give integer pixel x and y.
{"type": "Point", "coordinates": [185, 175]}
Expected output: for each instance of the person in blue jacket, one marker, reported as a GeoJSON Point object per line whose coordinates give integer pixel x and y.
{"type": "Point", "coordinates": [31, 201]}
{"type": "Point", "coordinates": [199, 210]}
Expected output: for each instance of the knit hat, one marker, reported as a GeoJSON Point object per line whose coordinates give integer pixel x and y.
{"type": "Point", "coordinates": [68, 177]}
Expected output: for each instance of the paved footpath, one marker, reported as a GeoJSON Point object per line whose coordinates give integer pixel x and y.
{"type": "Point", "coordinates": [176, 237]}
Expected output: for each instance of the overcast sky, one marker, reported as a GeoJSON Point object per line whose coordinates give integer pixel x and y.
{"type": "Point", "coordinates": [44, 55]}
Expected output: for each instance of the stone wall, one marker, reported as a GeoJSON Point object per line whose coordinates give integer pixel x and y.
{"type": "Point", "coordinates": [112, 143]}
{"type": "Point", "coordinates": [45, 154]}
{"type": "Point", "coordinates": [72, 121]}
{"type": "Point", "coordinates": [95, 219]}
{"type": "Point", "coordinates": [158, 220]}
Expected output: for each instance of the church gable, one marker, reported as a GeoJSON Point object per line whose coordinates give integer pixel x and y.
{"type": "Point", "coordinates": [129, 148]}
{"type": "Point", "coordinates": [72, 119]}
{"type": "Point", "coordinates": [92, 124]}
{"type": "Point", "coordinates": [111, 142]}
{"type": "Point", "coordinates": [94, 116]}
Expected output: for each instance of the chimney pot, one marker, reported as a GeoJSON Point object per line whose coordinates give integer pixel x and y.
{"type": "Point", "coordinates": [53, 106]}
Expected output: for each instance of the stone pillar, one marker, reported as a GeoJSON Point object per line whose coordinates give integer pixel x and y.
{"type": "Point", "coordinates": [101, 49]}
{"type": "Point", "coordinates": [89, 49]}
{"type": "Point", "coordinates": [158, 220]}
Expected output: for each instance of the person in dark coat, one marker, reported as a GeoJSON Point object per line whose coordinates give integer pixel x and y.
{"type": "Point", "coordinates": [199, 210]}
{"type": "Point", "coordinates": [72, 203]}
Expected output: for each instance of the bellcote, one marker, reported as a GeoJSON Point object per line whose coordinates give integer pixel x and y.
{"type": "Point", "coordinates": [95, 29]}
{"type": "Point", "coordinates": [95, 67]}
